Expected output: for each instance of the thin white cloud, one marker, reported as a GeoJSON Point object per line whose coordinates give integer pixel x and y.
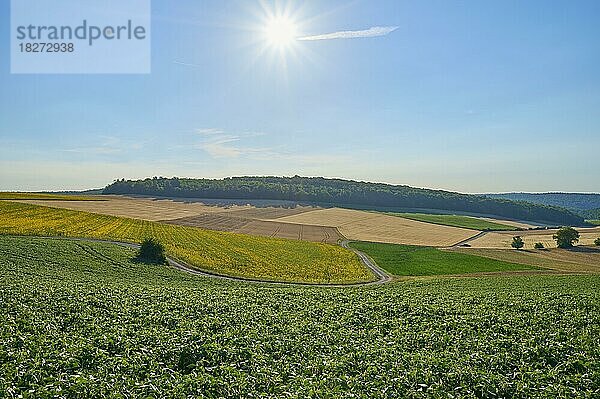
{"type": "Point", "coordinates": [375, 31]}
{"type": "Point", "coordinates": [220, 144]}
{"type": "Point", "coordinates": [209, 131]}
{"type": "Point", "coordinates": [187, 64]}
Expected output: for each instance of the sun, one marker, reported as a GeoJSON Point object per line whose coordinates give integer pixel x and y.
{"type": "Point", "coordinates": [280, 31]}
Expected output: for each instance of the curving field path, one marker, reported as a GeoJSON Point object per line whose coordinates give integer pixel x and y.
{"type": "Point", "coordinates": [381, 275]}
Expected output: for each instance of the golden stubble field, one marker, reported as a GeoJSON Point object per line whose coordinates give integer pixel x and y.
{"type": "Point", "coordinates": [503, 239]}
{"type": "Point", "coordinates": [576, 260]}
{"type": "Point", "coordinates": [369, 226]}
{"type": "Point", "coordinates": [138, 208]}
{"type": "Point", "coordinates": [244, 219]}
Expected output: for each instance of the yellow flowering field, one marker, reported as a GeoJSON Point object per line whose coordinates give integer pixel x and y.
{"type": "Point", "coordinates": [219, 252]}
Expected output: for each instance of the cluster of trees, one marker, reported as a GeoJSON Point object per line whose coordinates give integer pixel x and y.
{"type": "Point", "coordinates": [341, 192]}
{"type": "Point", "coordinates": [565, 237]}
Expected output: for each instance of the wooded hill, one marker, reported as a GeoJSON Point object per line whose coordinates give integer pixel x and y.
{"type": "Point", "coordinates": [583, 204]}
{"type": "Point", "coordinates": [338, 192]}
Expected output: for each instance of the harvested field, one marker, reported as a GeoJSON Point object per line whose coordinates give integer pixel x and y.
{"type": "Point", "coordinates": [369, 226]}
{"type": "Point", "coordinates": [264, 228]}
{"type": "Point", "coordinates": [165, 209]}
{"type": "Point", "coordinates": [244, 219]}
{"type": "Point", "coordinates": [269, 213]}
{"type": "Point", "coordinates": [292, 231]}
{"type": "Point", "coordinates": [138, 208]}
{"type": "Point", "coordinates": [580, 259]}
{"type": "Point", "coordinates": [503, 239]}
{"type": "Point", "coordinates": [214, 221]}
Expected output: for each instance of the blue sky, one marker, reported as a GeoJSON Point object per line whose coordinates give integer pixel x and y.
{"type": "Point", "coordinates": [473, 96]}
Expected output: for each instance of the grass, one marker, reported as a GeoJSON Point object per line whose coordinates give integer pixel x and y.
{"type": "Point", "coordinates": [46, 197]}
{"type": "Point", "coordinates": [83, 320]}
{"type": "Point", "coordinates": [466, 222]}
{"type": "Point", "coordinates": [219, 252]}
{"type": "Point", "coordinates": [594, 222]}
{"type": "Point", "coordinates": [410, 260]}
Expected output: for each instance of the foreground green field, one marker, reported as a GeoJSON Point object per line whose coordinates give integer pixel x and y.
{"type": "Point", "coordinates": [46, 196]}
{"type": "Point", "coordinates": [466, 222]}
{"type": "Point", "coordinates": [219, 252]}
{"type": "Point", "coordinates": [410, 260]}
{"type": "Point", "coordinates": [82, 320]}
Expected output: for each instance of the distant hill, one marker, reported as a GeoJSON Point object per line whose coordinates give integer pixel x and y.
{"type": "Point", "coordinates": [586, 205]}
{"type": "Point", "coordinates": [338, 192]}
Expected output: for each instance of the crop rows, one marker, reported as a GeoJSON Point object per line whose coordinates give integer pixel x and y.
{"type": "Point", "coordinates": [220, 252]}
{"type": "Point", "coordinates": [76, 325]}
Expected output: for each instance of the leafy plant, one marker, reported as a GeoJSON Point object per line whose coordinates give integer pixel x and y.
{"type": "Point", "coordinates": [82, 320]}
{"type": "Point", "coordinates": [597, 241]}
{"type": "Point", "coordinates": [538, 245]}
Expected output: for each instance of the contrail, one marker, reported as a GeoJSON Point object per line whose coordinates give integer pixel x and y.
{"type": "Point", "coordinates": [353, 34]}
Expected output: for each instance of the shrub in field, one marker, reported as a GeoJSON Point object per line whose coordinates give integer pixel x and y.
{"type": "Point", "coordinates": [538, 245]}
{"type": "Point", "coordinates": [597, 241]}
{"type": "Point", "coordinates": [517, 242]}
{"type": "Point", "coordinates": [152, 251]}
{"type": "Point", "coordinates": [566, 237]}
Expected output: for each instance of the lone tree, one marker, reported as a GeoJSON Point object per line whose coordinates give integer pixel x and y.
{"type": "Point", "coordinates": [152, 251]}
{"type": "Point", "coordinates": [517, 242]}
{"type": "Point", "coordinates": [597, 241]}
{"type": "Point", "coordinates": [566, 237]}
{"type": "Point", "coordinates": [538, 245]}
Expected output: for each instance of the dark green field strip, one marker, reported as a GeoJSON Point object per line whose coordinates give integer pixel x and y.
{"type": "Point", "coordinates": [594, 222]}
{"type": "Point", "coordinates": [409, 260]}
{"type": "Point", "coordinates": [466, 222]}
{"type": "Point", "coordinates": [76, 324]}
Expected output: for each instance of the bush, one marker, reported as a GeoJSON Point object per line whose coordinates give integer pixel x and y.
{"type": "Point", "coordinates": [152, 251]}
{"type": "Point", "coordinates": [566, 237]}
{"type": "Point", "coordinates": [597, 241]}
{"type": "Point", "coordinates": [538, 245]}
{"type": "Point", "coordinates": [517, 242]}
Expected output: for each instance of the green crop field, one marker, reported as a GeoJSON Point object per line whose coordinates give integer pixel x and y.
{"type": "Point", "coordinates": [466, 222]}
{"type": "Point", "coordinates": [46, 196]}
{"type": "Point", "coordinates": [219, 252]}
{"type": "Point", "coordinates": [410, 260]}
{"type": "Point", "coordinates": [83, 320]}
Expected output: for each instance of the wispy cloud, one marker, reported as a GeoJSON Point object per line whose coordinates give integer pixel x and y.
{"type": "Point", "coordinates": [187, 64]}
{"type": "Point", "coordinates": [220, 144]}
{"type": "Point", "coordinates": [375, 31]}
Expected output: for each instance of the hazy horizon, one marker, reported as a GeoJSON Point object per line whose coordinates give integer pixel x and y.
{"type": "Point", "coordinates": [474, 97]}
{"type": "Point", "coordinates": [327, 177]}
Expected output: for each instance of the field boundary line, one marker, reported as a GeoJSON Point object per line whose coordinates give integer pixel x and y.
{"type": "Point", "coordinates": [468, 240]}
{"type": "Point", "coordinates": [382, 276]}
